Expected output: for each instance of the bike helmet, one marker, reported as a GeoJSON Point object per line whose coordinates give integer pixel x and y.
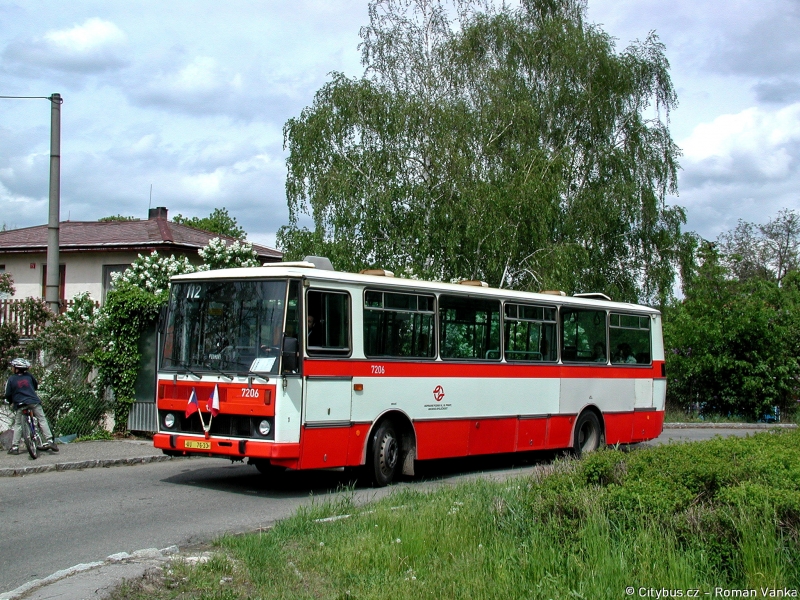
{"type": "Point", "coordinates": [21, 363]}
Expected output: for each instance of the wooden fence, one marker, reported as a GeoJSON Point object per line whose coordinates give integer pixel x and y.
{"type": "Point", "coordinates": [18, 314]}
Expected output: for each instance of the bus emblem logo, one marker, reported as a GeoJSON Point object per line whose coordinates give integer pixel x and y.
{"type": "Point", "coordinates": [438, 393]}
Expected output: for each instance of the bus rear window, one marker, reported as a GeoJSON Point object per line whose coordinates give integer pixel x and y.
{"type": "Point", "coordinates": [629, 336]}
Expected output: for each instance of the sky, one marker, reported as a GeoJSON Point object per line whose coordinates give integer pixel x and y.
{"type": "Point", "coordinates": [190, 96]}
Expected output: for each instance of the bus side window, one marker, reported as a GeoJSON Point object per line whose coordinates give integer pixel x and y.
{"type": "Point", "coordinates": [398, 325]}
{"type": "Point", "coordinates": [530, 333]}
{"type": "Point", "coordinates": [469, 328]}
{"type": "Point", "coordinates": [327, 328]}
{"type": "Point", "coordinates": [583, 336]}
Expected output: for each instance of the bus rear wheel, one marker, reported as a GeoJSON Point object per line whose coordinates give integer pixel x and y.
{"type": "Point", "coordinates": [384, 454]}
{"type": "Point", "coordinates": [588, 434]}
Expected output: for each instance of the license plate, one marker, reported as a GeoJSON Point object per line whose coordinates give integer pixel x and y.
{"type": "Point", "coordinates": [197, 445]}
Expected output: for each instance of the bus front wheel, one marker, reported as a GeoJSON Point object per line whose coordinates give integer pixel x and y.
{"type": "Point", "coordinates": [588, 434]}
{"type": "Point", "coordinates": [384, 454]}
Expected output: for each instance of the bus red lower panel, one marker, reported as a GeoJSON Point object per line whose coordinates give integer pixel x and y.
{"type": "Point", "coordinates": [356, 443]}
{"type": "Point", "coordinates": [324, 447]}
{"type": "Point", "coordinates": [492, 436]}
{"type": "Point", "coordinates": [344, 446]}
{"type": "Point", "coordinates": [619, 428]}
{"type": "Point", "coordinates": [532, 434]}
{"type": "Point", "coordinates": [442, 439]}
{"type": "Point", "coordinates": [559, 431]}
{"type": "Point", "coordinates": [647, 424]}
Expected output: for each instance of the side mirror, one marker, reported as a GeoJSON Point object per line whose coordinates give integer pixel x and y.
{"type": "Point", "coordinates": [290, 354]}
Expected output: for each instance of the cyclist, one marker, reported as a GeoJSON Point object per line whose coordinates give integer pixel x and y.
{"type": "Point", "coordinates": [21, 391]}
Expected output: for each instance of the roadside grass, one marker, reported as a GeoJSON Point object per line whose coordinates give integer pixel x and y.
{"type": "Point", "coordinates": [678, 415]}
{"type": "Point", "coordinates": [721, 513]}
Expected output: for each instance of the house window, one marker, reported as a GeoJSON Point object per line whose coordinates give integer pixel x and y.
{"type": "Point", "coordinates": [108, 270]}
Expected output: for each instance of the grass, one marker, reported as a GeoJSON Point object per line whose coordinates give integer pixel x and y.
{"type": "Point", "coordinates": [722, 513]}
{"type": "Point", "coordinates": [678, 415]}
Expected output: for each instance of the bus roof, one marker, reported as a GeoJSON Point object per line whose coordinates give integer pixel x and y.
{"type": "Point", "coordinates": [307, 271]}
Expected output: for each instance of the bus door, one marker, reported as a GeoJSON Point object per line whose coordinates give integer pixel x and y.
{"type": "Point", "coordinates": [290, 392]}
{"type": "Point", "coordinates": [327, 335]}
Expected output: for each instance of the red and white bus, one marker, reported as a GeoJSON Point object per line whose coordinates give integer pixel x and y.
{"type": "Point", "coordinates": [318, 369]}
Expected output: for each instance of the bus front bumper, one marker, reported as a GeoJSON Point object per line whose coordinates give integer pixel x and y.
{"type": "Point", "coordinates": [226, 447]}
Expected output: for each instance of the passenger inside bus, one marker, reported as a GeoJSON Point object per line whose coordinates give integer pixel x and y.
{"type": "Point", "coordinates": [624, 355]}
{"type": "Point", "coordinates": [599, 352]}
{"type": "Point", "coordinates": [310, 322]}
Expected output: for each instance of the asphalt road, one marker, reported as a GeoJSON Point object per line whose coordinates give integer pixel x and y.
{"type": "Point", "coordinates": [52, 521]}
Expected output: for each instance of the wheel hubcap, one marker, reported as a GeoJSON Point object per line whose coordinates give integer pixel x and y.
{"type": "Point", "coordinates": [388, 454]}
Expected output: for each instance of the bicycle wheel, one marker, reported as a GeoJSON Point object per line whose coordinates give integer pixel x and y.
{"type": "Point", "coordinates": [27, 436]}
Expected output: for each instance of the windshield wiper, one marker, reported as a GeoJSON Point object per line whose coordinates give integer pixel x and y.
{"type": "Point", "coordinates": [259, 375]}
{"type": "Point", "coordinates": [253, 373]}
{"type": "Point", "coordinates": [225, 375]}
{"type": "Point", "coordinates": [188, 370]}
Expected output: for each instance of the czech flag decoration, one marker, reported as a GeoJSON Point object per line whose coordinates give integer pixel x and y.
{"type": "Point", "coordinates": [213, 403]}
{"type": "Point", "coordinates": [193, 405]}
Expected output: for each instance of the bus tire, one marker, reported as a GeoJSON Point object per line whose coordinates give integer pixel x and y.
{"type": "Point", "coordinates": [384, 454]}
{"type": "Point", "coordinates": [588, 434]}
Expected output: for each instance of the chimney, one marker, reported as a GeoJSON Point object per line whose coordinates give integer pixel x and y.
{"type": "Point", "coordinates": [159, 212]}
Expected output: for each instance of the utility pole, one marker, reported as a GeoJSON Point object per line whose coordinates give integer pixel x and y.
{"type": "Point", "coordinates": [53, 281]}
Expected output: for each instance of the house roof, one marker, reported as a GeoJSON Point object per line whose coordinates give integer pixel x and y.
{"type": "Point", "coordinates": [141, 235]}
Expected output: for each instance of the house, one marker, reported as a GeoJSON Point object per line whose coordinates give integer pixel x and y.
{"type": "Point", "coordinates": [90, 251]}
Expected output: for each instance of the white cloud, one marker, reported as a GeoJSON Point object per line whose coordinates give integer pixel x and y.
{"type": "Point", "coordinates": [93, 47]}
{"type": "Point", "coordinates": [242, 88]}
{"type": "Point", "coordinates": [95, 34]}
{"type": "Point", "coordinates": [758, 142]}
{"type": "Point", "coordinates": [743, 165]}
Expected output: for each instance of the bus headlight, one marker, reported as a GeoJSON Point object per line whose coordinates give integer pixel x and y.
{"type": "Point", "coordinates": [169, 420]}
{"type": "Point", "coordinates": [264, 428]}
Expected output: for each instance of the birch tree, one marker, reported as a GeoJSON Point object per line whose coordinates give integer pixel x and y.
{"type": "Point", "coordinates": [514, 145]}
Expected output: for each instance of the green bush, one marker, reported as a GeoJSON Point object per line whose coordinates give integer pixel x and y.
{"type": "Point", "coordinates": [732, 346]}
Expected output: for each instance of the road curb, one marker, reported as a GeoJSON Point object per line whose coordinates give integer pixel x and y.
{"type": "Point", "coordinates": [730, 426]}
{"type": "Point", "coordinates": [85, 464]}
{"type": "Point", "coordinates": [149, 556]}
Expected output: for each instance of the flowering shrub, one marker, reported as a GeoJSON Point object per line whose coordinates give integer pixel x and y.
{"type": "Point", "coordinates": [6, 284]}
{"type": "Point", "coordinates": [65, 348]}
{"type": "Point", "coordinates": [152, 273]}
{"type": "Point", "coordinates": [127, 315]}
{"type": "Point", "coordinates": [219, 255]}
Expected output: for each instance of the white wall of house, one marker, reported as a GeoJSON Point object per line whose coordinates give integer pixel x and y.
{"type": "Point", "coordinates": [27, 280]}
{"type": "Point", "coordinates": [84, 271]}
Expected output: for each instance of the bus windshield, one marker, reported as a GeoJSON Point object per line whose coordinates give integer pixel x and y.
{"type": "Point", "coordinates": [225, 326]}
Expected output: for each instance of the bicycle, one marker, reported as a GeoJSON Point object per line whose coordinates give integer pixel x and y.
{"type": "Point", "coordinates": [30, 433]}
